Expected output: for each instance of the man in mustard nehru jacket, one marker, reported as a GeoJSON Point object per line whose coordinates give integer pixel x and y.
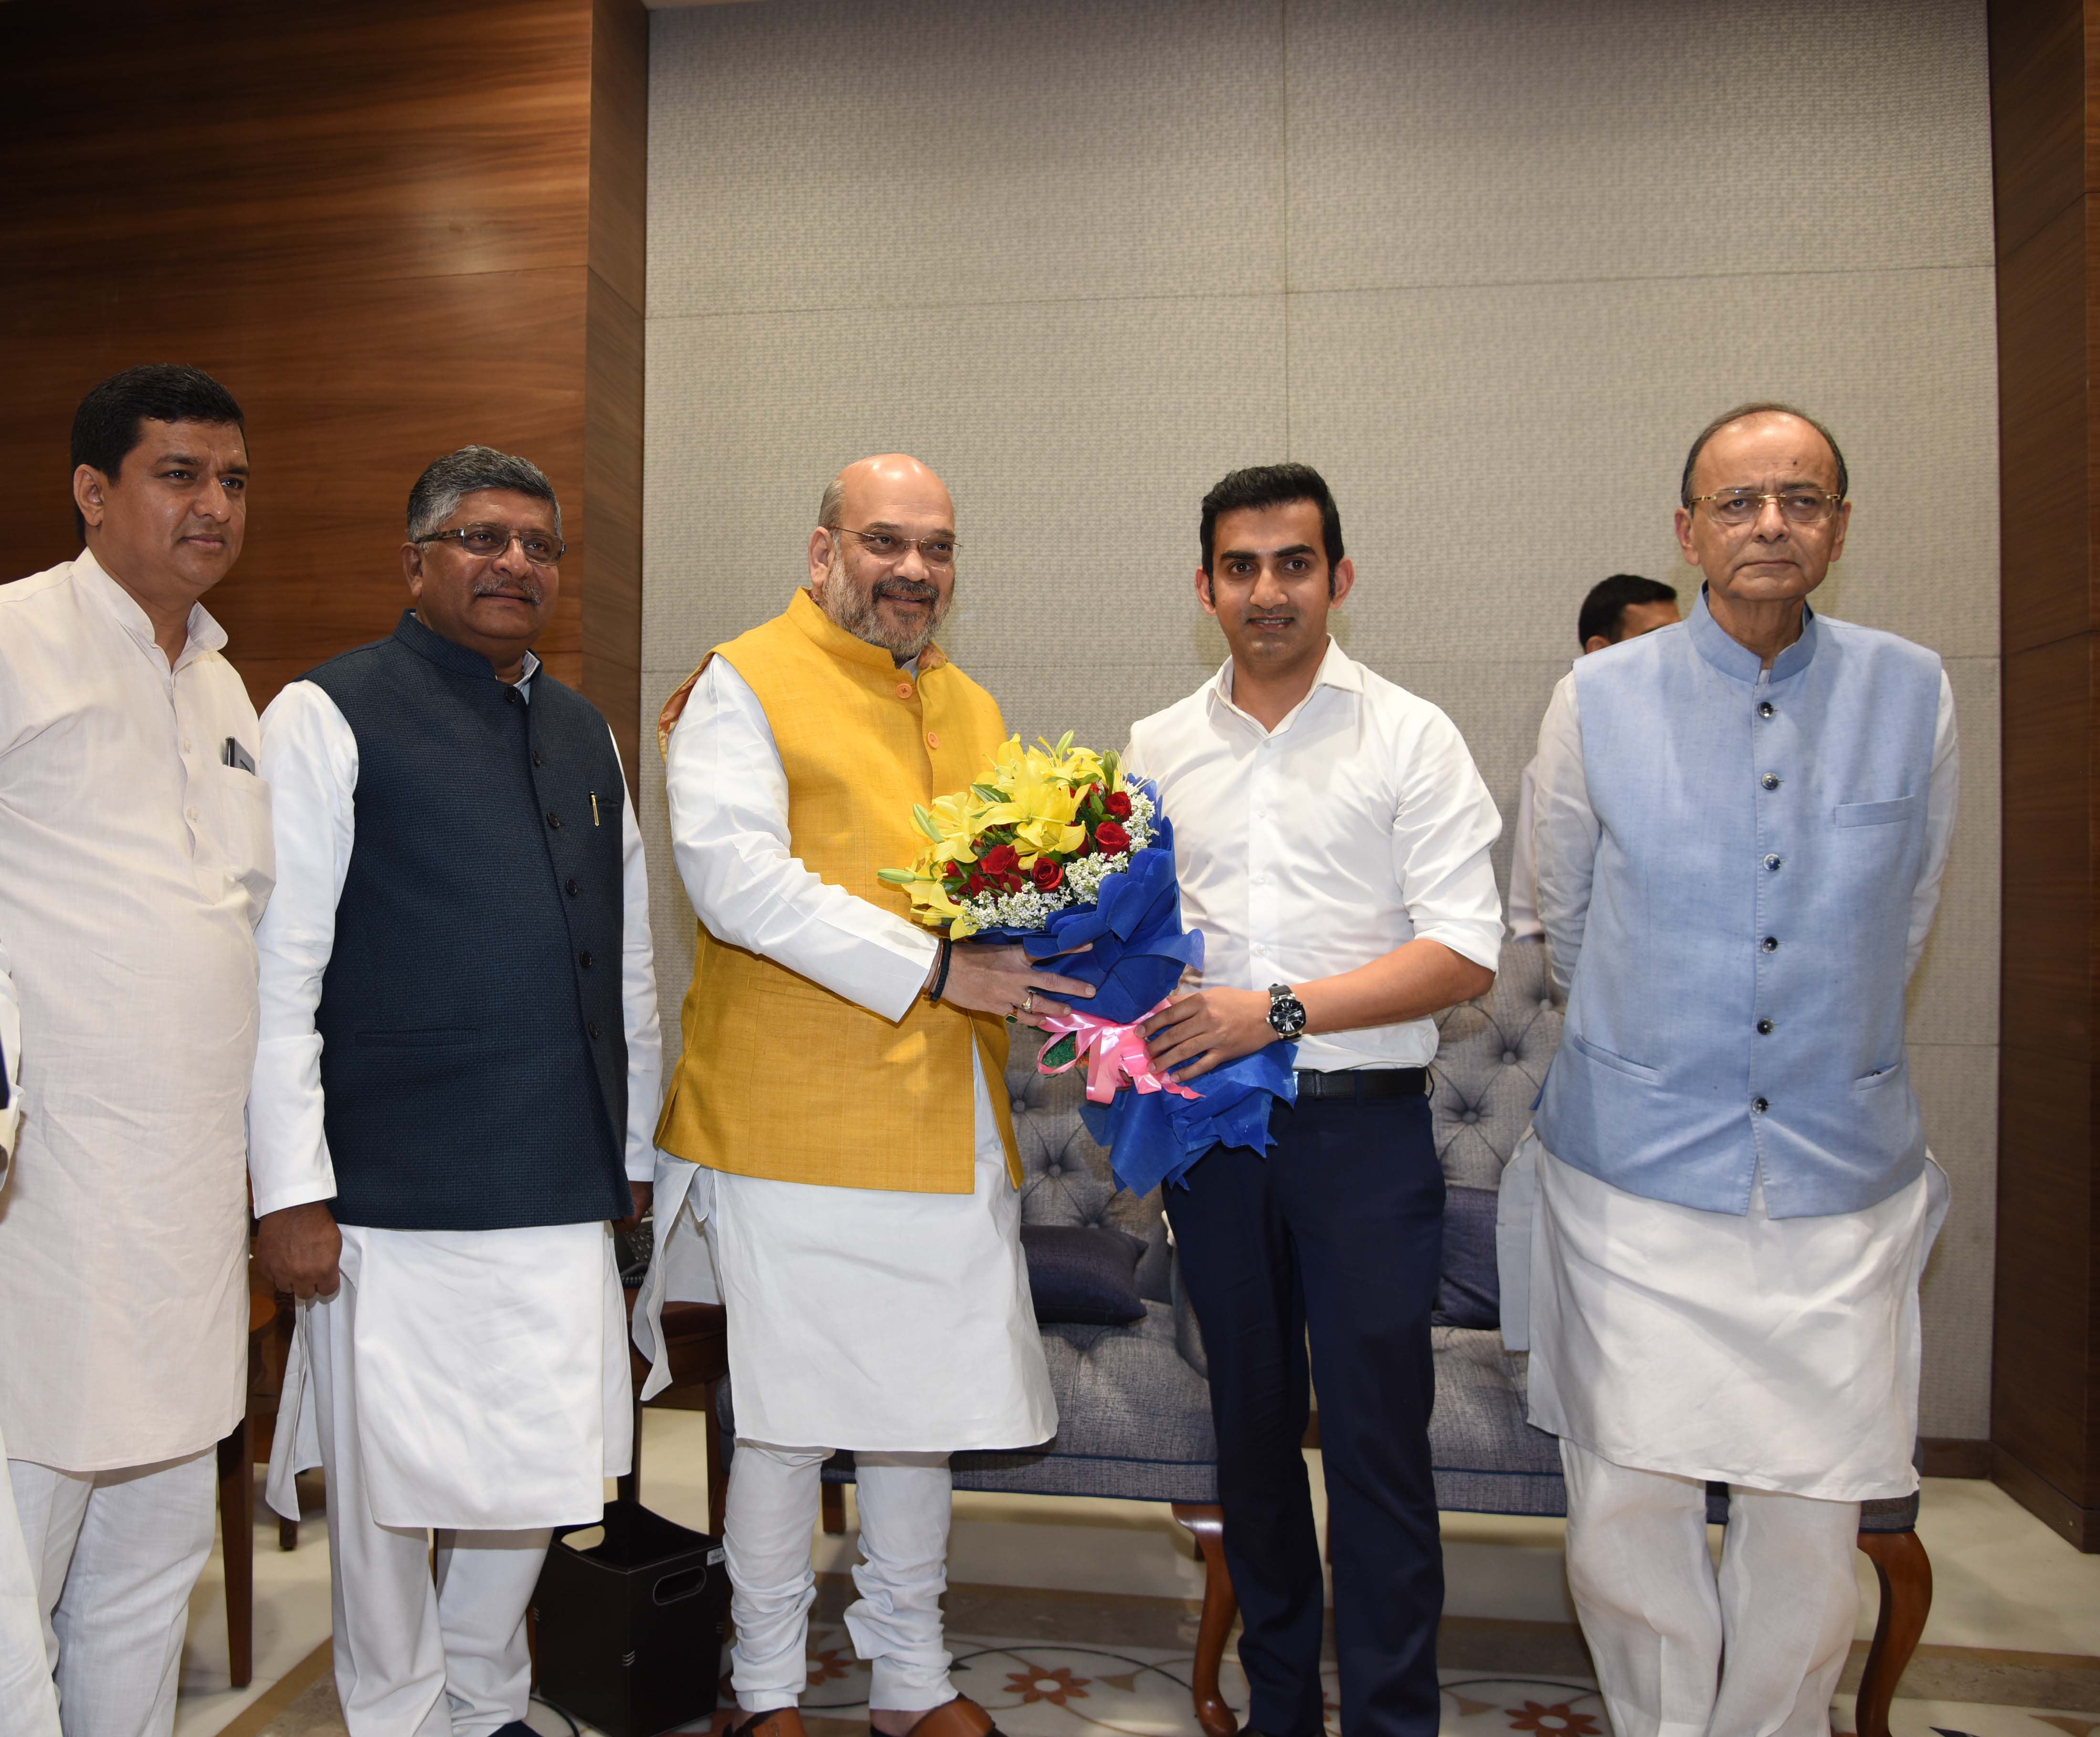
{"type": "Point", "coordinates": [833, 1120]}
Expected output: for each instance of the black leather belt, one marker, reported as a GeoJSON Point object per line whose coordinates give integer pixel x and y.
{"type": "Point", "coordinates": [1364, 1083]}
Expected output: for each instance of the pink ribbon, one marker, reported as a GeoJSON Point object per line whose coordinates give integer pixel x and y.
{"type": "Point", "coordinates": [1114, 1054]}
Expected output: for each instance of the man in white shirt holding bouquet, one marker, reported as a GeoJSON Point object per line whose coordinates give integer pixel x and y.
{"type": "Point", "coordinates": [1331, 838]}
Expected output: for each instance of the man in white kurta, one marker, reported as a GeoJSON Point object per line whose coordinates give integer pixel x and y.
{"type": "Point", "coordinates": [461, 1365]}
{"type": "Point", "coordinates": [1742, 826]}
{"type": "Point", "coordinates": [894, 1320]}
{"type": "Point", "coordinates": [136, 837]}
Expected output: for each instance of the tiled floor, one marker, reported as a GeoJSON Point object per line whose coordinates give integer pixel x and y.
{"type": "Point", "coordinates": [1076, 1616]}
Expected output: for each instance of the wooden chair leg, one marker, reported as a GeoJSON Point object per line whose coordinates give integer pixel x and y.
{"type": "Point", "coordinates": [236, 1522]}
{"type": "Point", "coordinates": [1221, 1606]}
{"type": "Point", "coordinates": [717, 1467]}
{"type": "Point", "coordinates": [1905, 1573]}
{"type": "Point", "coordinates": [288, 1534]}
{"type": "Point", "coordinates": [834, 1510]}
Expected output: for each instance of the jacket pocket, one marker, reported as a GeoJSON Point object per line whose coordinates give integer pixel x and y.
{"type": "Point", "coordinates": [431, 1038]}
{"type": "Point", "coordinates": [1879, 1077]}
{"type": "Point", "coordinates": [1876, 813]}
{"type": "Point", "coordinates": [1605, 1058]}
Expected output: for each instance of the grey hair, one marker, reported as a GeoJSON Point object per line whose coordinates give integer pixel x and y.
{"type": "Point", "coordinates": [1761, 407]}
{"type": "Point", "coordinates": [439, 490]}
{"type": "Point", "coordinates": [833, 506]}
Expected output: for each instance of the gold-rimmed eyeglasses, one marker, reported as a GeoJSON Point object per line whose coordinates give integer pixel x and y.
{"type": "Point", "coordinates": [486, 542]}
{"type": "Point", "coordinates": [936, 551]}
{"type": "Point", "coordinates": [1737, 507]}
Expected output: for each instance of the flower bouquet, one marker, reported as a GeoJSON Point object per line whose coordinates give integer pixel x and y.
{"type": "Point", "coordinates": [1056, 848]}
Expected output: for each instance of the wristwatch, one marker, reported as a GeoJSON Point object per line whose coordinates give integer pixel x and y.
{"type": "Point", "coordinates": [1286, 1012]}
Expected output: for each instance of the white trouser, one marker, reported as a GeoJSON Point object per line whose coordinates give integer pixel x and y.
{"type": "Point", "coordinates": [905, 1499]}
{"type": "Point", "coordinates": [115, 1555]}
{"type": "Point", "coordinates": [416, 1658]}
{"type": "Point", "coordinates": [1659, 1620]}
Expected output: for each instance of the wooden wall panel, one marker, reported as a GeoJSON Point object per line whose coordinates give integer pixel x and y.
{"type": "Point", "coordinates": [375, 224]}
{"type": "Point", "coordinates": [2045, 1379]}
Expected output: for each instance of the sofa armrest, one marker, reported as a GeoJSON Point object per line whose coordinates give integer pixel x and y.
{"type": "Point", "coordinates": [1188, 1334]}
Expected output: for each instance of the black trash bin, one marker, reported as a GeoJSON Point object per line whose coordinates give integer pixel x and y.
{"type": "Point", "coordinates": [630, 1630]}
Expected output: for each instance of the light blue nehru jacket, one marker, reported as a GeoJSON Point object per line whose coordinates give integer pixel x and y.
{"type": "Point", "coordinates": [1739, 998]}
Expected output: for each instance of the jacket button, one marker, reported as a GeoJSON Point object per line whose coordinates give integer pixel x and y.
{"type": "Point", "coordinates": [904, 691]}
{"type": "Point", "coordinates": [571, 887]}
{"type": "Point", "coordinates": [553, 820]}
{"type": "Point", "coordinates": [536, 760]}
{"type": "Point", "coordinates": [1770, 781]}
{"type": "Point", "coordinates": [1770, 944]}
{"type": "Point", "coordinates": [933, 739]}
{"type": "Point", "coordinates": [591, 1028]}
{"type": "Point", "coordinates": [511, 695]}
{"type": "Point", "coordinates": [1765, 708]}
{"type": "Point", "coordinates": [1772, 863]}
{"type": "Point", "coordinates": [1759, 1105]}
{"type": "Point", "coordinates": [583, 959]}
{"type": "Point", "coordinates": [1764, 1025]}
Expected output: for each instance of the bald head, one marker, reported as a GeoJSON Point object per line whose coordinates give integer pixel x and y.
{"type": "Point", "coordinates": [882, 558]}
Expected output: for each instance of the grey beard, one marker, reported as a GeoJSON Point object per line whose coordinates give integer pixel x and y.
{"type": "Point", "coordinates": [853, 607]}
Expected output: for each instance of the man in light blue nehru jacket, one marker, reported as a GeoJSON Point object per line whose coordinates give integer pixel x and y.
{"type": "Point", "coordinates": [1742, 825]}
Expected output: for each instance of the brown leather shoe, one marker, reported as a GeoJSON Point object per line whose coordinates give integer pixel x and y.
{"type": "Point", "coordinates": [959, 1718]}
{"type": "Point", "coordinates": [778, 1722]}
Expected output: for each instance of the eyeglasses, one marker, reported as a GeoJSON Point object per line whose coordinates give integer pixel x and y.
{"type": "Point", "coordinates": [1738, 507]}
{"type": "Point", "coordinates": [485, 542]}
{"type": "Point", "coordinates": [936, 551]}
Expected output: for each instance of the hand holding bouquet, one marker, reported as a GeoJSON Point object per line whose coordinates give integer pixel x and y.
{"type": "Point", "coordinates": [1057, 848]}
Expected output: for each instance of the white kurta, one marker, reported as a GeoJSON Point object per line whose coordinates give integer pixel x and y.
{"type": "Point", "coordinates": [1780, 1354]}
{"type": "Point", "coordinates": [137, 862]}
{"type": "Point", "coordinates": [490, 1366]}
{"type": "Point", "coordinates": [870, 1319]}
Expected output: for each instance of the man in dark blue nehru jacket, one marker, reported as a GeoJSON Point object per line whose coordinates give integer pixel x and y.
{"type": "Point", "coordinates": [456, 1076]}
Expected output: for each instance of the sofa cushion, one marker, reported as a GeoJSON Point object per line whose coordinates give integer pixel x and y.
{"type": "Point", "coordinates": [1487, 1459]}
{"type": "Point", "coordinates": [1468, 1293]}
{"type": "Point", "coordinates": [1085, 1274]}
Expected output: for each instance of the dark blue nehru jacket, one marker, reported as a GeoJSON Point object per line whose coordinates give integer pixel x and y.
{"type": "Point", "coordinates": [473, 1053]}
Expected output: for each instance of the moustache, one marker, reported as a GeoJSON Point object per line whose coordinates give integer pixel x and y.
{"type": "Point", "coordinates": [530, 588]}
{"type": "Point", "coordinates": [911, 590]}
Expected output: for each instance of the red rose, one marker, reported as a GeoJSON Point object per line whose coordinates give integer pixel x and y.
{"type": "Point", "coordinates": [1001, 859]}
{"type": "Point", "coordinates": [1111, 838]}
{"type": "Point", "coordinates": [952, 871]}
{"type": "Point", "coordinates": [976, 885]}
{"type": "Point", "coordinates": [1118, 803]}
{"type": "Point", "coordinates": [1048, 875]}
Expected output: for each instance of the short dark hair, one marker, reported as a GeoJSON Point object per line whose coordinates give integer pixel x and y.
{"type": "Point", "coordinates": [1761, 407]}
{"type": "Point", "coordinates": [446, 481]}
{"type": "Point", "coordinates": [1604, 609]}
{"type": "Point", "coordinates": [1271, 486]}
{"type": "Point", "coordinates": [106, 427]}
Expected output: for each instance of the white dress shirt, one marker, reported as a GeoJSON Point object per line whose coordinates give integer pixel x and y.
{"type": "Point", "coordinates": [137, 862]}
{"type": "Point", "coordinates": [1778, 1353]}
{"type": "Point", "coordinates": [838, 1338]}
{"type": "Point", "coordinates": [487, 1370]}
{"type": "Point", "coordinates": [1356, 826]}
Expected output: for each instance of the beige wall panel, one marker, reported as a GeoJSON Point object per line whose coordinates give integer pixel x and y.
{"type": "Point", "coordinates": [1078, 439]}
{"type": "Point", "coordinates": [1505, 141]}
{"type": "Point", "coordinates": [1957, 1086]}
{"type": "Point", "coordinates": [840, 155]}
{"type": "Point", "coordinates": [1500, 450]}
{"type": "Point", "coordinates": [1954, 995]}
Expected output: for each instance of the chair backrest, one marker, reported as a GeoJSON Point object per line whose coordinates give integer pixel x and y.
{"type": "Point", "coordinates": [1065, 1177]}
{"type": "Point", "coordinates": [1490, 1062]}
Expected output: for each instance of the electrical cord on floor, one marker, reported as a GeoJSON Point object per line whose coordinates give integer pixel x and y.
{"type": "Point", "coordinates": [575, 1729]}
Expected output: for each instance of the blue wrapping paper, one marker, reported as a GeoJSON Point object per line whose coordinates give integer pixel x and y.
{"type": "Point", "coordinates": [1138, 950]}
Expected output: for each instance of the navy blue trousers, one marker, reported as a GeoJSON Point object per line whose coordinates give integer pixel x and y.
{"type": "Point", "coordinates": [1339, 1227]}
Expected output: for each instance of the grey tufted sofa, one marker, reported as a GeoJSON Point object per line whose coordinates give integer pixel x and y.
{"type": "Point", "coordinates": [1133, 1403]}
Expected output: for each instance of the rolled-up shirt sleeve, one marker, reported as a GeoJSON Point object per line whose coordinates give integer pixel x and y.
{"type": "Point", "coordinates": [1442, 831]}
{"type": "Point", "coordinates": [310, 763]}
{"type": "Point", "coordinates": [728, 794]}
{"type": "Point", "coordinates": [1564, 834]}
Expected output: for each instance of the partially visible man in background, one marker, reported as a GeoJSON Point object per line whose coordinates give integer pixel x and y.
{"type": "Point", "coordinates": [1624, 606]}
{"type": "Point", "coordinates": [456, 1081]}
{"type": "Point", "coordinates": [136, 836]}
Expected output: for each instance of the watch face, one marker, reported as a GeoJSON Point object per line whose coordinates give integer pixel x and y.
{"type": "Point", "coordinates": [1287, 1016]}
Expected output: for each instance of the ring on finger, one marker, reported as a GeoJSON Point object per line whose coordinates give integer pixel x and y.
{"type": "Point", "coordinates": [1028, 1001]}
